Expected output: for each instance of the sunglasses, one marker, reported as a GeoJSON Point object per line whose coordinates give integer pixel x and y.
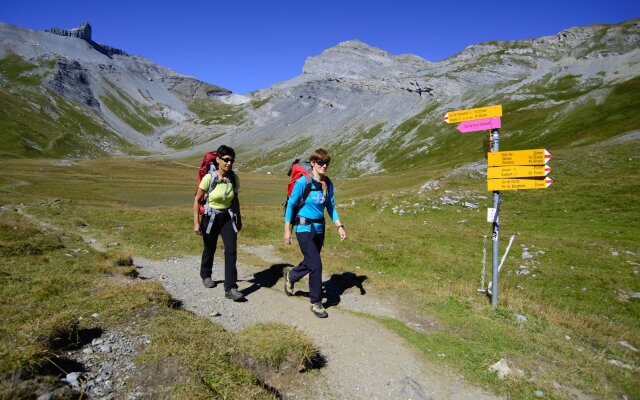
{"type": "Point", "coordinates": [228, 160]}
{"type": "Point", "coordinates": [322, 163]}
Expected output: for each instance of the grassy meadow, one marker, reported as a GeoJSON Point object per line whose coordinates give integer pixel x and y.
{"type": "Point", "coordinates": [56, 291]}
{"type": "Point", "coordinates": [580, 295]}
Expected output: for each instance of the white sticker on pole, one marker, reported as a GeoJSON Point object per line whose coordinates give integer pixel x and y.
{"type": "Point", "coordinates": [491, 214]}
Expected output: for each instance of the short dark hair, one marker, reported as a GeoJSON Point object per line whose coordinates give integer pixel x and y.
{"type": "Point", "coordinates": [225, 151]}
{"type": "Point", "coordinates": [320, 154]}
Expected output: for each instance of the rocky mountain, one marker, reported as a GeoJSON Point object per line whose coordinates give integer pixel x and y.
{"type": "Point", "coordinates": [381, 112]}
{"type": "Point", "coordinates": [65, 95]}
{"type": "Point", "coordinates": [376, 111]}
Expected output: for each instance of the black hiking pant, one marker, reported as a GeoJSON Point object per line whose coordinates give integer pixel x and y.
{"type": "Point", "coordinates": [222, 226]}
{"type": "Point", "coordinates": [310, 244]}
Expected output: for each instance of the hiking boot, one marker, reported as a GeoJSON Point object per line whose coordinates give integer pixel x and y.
{"type": "Point", "coordinates": [234, 294]}
{"type": "Point", "coordinates": [318, 310]}
{"type": "Point", "coordinates": [209, 283]}
{"type": "Point", "coordinates": [288, 286]}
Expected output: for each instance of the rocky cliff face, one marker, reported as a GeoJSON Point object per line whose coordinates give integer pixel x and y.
{"type": "Point", "coordinates": [192, 89]}
{"type": "Point", "coordinates": [82, 32]}
{"type": "Point", "coordinates": [71, 81]}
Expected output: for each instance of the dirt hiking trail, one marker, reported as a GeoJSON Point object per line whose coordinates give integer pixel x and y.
{"type": "Point", "coordinates": [361, 359]}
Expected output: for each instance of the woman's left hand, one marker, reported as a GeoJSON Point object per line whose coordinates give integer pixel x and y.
{"type": "Point", "coordinates": [342, 232]}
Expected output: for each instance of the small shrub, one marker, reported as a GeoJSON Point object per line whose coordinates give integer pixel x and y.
{"type": "Point", "coordinates": [119, 259]}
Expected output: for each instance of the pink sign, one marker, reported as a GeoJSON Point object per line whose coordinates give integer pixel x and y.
{"type": "Point", "coordinates": [480, 125]}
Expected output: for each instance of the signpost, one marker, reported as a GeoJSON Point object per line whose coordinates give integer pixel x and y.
{"type": "Point", "coordinates": [518, 157]}
{"type": "Point", "coordinates": [507, 170]}
{"type": "Point", "coordinates": [497, 199]}
{"type": "Point", "coordinates": [473, 114]}
{"type": "Point", "coordinates": [518, 171]}
{"type": "Point", "coordinates": [517, 184]}
{"type": "Point", "coordinates": [480, 125]}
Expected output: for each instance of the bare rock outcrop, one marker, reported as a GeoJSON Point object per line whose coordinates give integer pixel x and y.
{"type": "Point", "coordinates": [190, 89]}
{"type": "Point", "coordinates": [82, 32]}
{"type": "Point", "coordinates": [72, 81]}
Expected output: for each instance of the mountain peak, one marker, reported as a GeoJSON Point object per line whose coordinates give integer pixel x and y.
{"type": "Point", "coordinates": [82, 32]}
{"type": "Point", "coordinates": [355, 59]}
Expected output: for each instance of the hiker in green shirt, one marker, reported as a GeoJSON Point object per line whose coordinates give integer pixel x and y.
{"type": "Point", "coordinates": [219, 216]}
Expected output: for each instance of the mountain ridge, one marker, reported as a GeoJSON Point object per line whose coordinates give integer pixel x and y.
{"type": "Point", "coordinates": [367, 103]}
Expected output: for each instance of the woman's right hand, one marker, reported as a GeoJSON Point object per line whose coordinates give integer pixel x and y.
{"type": "Point", "coordinates": [196, 228]}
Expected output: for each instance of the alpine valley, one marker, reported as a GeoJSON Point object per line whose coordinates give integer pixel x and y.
{"type": "Point", "coordinates": [65, 96]}
{"type": "Point", "coordinates": [100, 292]}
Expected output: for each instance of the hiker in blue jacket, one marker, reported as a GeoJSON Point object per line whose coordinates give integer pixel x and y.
{"type": "Point", "coordinates": [309, 224]}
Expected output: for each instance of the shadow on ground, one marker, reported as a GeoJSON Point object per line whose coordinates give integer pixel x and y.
{"type": "Point", "coordinates": [265, 278]}
{"type": "Point", "coordinates": [338, 284]}
{"type": "Point", "coordinates": [332, 289]}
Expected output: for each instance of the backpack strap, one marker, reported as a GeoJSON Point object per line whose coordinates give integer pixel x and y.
{"type": "Point", "coordinates": [232, 179]}
{"type": "Point", "coordinates": [307, 189]}
{"type": "Point", "coordinates": [305, 193]}
{"type": "Point", "coordinates": [212, 185]}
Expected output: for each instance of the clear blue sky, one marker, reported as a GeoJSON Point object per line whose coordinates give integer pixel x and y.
{"type": "Point", "coordinates": [248, 45]}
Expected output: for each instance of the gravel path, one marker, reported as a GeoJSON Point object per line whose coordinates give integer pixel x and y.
{"type": "Point", "coordinates": [363, 359]}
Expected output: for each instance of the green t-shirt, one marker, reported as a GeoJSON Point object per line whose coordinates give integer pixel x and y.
{"type": "Point", "coordinates": [221, 196]}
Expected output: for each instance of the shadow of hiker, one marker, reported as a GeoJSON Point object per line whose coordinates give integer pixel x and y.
{"type": "Point", "coordinates": [265, 278]}
{"type": "Point", "coordinates": [340, 283]}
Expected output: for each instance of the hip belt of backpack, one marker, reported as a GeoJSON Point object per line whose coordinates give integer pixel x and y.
{"type": "Point", "coordinates": [212, 213]}
{"type": "Point", "coordinates": [309, 221]}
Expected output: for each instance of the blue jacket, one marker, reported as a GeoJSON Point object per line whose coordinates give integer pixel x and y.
{"type": "Point", "coordinates": [313, 206]}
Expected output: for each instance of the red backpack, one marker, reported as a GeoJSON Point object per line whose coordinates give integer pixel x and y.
{"type": "Point", "coordinates": [210, 166]}
{"type": "Point", "coordinates": [297, 170]}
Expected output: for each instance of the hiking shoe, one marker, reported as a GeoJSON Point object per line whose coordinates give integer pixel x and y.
{"type": "Point", "coordinates": [318, 310]}
{"type": "Point", "coordinates": [209, 283]}
{"type": "Point", "coordinates": [234, 294]}
{"type": "Point", "coordinates": [288, 286]}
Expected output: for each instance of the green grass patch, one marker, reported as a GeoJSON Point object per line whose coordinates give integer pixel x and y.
{"type": "Point", "coordinates": [199, 352]}
{"type": "Point", "coordinates": [144, 112]}
{"type": "Point", "coordinates": [126, 115]}
{"type": "Point", "coordinates": [177, 142]}
{"type": "Point", "coordinates": [255, 104]}
{"type": "Point", "coordinates": [276, 345]}
{"type": "Point", "coordinates": [31, 126]}
{"type": "Point", "coordinates": [15, 69]}
{"type": "Point", "coordinates": [214, 112]}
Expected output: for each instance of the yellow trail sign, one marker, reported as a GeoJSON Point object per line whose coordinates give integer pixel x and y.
{"type": "Point", "coordinates": [518, 157]}
{"type": "Point", "coordinates": [517, 171]}
{"type": "Point", "coordinates": [472, 114]}
{"type": "Point", "coordinates": [517, 184]}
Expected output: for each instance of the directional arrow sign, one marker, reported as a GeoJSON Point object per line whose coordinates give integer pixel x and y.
{"type": "Point", "coordinates": [480, 125]}
{"type": "Point", "coordinates": [519, 157]}
{"type": "Point", "coordinates": [517, 184]}
{"type": "Point", "coordinates": [473, 114]}
{"type": "Point", "coordinates": [517, 171]}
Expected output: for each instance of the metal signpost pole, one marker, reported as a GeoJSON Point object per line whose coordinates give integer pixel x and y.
{"type": "Point", "coordinates": [495, 146]}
